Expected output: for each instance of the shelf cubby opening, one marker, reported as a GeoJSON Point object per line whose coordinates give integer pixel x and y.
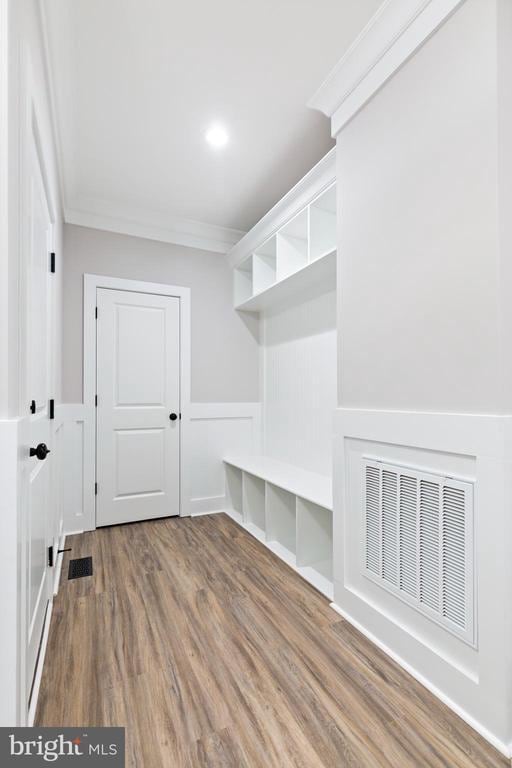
{"type": "Point", "coordinates": [264, 266]}
{"type": "Point", "coordinates": [292, 246]}
{"type": "Point", "coordinates": [322, 225]}
{"type": "Point", "coordinates": [234, 491]}
{"type": "Point", "coordinates": [314, 538]}
{"type": "Point", "coordinates": [254, 504]}
{"type": "Point", "coordinates": [281, 522]}
{"type": "Point", "coordinates": [243, 281]}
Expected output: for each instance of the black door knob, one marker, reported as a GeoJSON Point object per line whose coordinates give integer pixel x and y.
{"type": "Point", "coordinates": [41, 451]}
{"type": "Point", "coordinates": [173, 416]}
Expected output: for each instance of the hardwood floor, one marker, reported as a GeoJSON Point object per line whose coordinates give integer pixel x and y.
{"type": "Point", "coordinates": [212, 652]}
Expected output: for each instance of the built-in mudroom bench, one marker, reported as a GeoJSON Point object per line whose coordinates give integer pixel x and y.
{"type": "Point", "coordinates": [284, 282]}
{"type": "Point", "coordinates": [286, 508]}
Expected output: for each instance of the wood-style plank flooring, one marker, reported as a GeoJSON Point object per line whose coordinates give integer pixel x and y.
{"type": "Point", "coordinates": [212, 652]}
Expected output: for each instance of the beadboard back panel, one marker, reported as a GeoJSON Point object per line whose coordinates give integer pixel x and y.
{"type": "Point", "coordinates": [299, 381]}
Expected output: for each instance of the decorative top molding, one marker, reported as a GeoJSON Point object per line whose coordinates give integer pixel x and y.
{"type": "Point", "coordinates": [151, 225]}
{"type": "Point", "coordinates": [321, 176]}
{"type": "Point", "coordinates": [391, 36]}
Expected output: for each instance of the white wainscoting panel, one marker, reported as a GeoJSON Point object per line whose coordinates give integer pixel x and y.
{"type": "Point", "coordinates": [77, 476]}
{"type": "Point", "coordinates": [218, 429]}
{"type": "Point", "coordinates": [471, 678]}
{"type": "Point", "coordinates": [299, 372]}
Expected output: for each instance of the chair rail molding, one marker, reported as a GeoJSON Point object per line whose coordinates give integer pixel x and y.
{"type": "Point", "coordinates": [391, 36]}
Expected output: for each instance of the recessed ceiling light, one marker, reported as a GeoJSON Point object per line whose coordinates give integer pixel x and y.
{"type": "Point", "coordinates": [217, 136]}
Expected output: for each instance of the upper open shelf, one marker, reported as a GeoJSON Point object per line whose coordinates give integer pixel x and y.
{"type": "Point", "coordinates": [301, 253]}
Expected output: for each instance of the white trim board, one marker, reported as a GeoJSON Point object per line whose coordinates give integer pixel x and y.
{"type": "Point", "coordinates": [91, 284]}
{"type": "Point", "coordinates": [153, 226]}
{"type": "Point", "coordinates": [392, 35]}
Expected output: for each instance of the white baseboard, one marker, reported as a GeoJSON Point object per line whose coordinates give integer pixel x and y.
{"type": "Point", "coordinates": [207, 505]}
{"type": "Point", "coordinates": [505, 749]}
{"type": "Point", "coordinates": [40, 665]}
{"type": "Point", "coordinates": [203, 514]}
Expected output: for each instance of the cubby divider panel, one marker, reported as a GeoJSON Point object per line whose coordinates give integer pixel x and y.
{"type": "Point", "coordinates": [314, 538]}
{"type": "Point", "coordinates": [281, 518]}
{"type": "Point", "coordinates": [264, 266]}
{"type": "Point", "coordinates": [292, 246]}
{"type": "Point", "coordinates": [234, 490]}
{"type": "Point", "coordinates": [243, 282]}
{"type": "Point", "coordinates": [322, 225]}
{"type": "Point", "coordinates": [254, 501]}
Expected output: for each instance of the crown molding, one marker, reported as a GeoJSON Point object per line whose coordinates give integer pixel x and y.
{"type": "Point", "coordinates": [152, 225]}
{"type": "Point", "coordinates": [321, 176]}
{"type": "Point", "coordinates": [109, 216]}
{"type": "Point", "coordinates": [391, 36]}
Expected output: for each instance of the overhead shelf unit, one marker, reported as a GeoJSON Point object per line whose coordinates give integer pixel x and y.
{"type": "Point", "coordinates": [286, 508]}
{"type": "Point", "coordinates": [293, 247]}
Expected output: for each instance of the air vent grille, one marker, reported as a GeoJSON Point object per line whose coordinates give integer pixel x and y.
{"type": "Point", "coordinates": [419, 541]}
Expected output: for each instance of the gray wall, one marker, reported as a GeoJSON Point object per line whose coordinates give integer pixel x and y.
{"type": "Point", "coordinates": [419, 270]}
{"type": "Point", "coordinates": [224, 345]}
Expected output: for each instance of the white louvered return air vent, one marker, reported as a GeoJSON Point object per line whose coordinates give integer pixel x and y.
{"type": "Point", "coordinates": [419, 541]}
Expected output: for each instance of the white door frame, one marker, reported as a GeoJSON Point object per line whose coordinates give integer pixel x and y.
{"type": "Point", "coordinates": [91, 285]}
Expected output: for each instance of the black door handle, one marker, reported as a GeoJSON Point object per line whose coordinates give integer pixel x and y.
{"type": "Point", "coordinates": [41, 451]}
{"type": "Point", "coordinates": [173, 416]}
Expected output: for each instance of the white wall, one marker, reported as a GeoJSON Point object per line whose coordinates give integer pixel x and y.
{"type": "Point", "coordinates": [299, 380]}
{"type": "Point", "coordinates": [419, 278]}
{"type": "Point", "coordinates": [424, 277]}
{"type": "Point", "coordinates": [224, 344]}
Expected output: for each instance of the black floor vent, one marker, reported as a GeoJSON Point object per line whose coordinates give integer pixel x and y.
{"type": "Point", "coordinates": [81, 566]}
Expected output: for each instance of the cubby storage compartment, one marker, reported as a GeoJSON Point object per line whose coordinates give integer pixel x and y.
{"type": "Point", "coordinates": [243, 281]}
{"type": "Point", "coordinates": [280, 510]}
{"type": "Point", "coordinates": [234, 492]}
{"type": "Point", "coordinates": [322, 225]}
{"type": "Point", "coordinates": [281, 522]}
{"type": "Point", "coordinates": [314, 544]}
{"type": "Point", "coordinates": [292, 245]}
{"type": "Point", "coordinates": [254, 505]}
{"type": "Point", "coordinates": [264, 266]}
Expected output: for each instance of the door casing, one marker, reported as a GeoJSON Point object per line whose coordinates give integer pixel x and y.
{"type": "Point", "coordinates": [91, 285]}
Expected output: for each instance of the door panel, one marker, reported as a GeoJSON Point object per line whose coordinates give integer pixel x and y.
{"type": "Point", "coordinates": [39, 521]}
{"type": "Point", "coordinates": [138, 373]}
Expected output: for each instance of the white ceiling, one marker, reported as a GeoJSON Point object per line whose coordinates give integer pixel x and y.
{"type": "Point", "coordinates": [137, 82]}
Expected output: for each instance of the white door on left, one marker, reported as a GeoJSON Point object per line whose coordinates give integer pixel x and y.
{"type": "Point", "coordinates": [39, 520]}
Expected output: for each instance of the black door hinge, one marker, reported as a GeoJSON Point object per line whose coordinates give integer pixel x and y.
{"type": "Point", "coordinates": [96, 400]}
{"type": "Point", "coordinates": [52, 262]}
{"type": "Point", "coordinates": [95, 489]}
{"type": "Point", "coordinates": [96, 312]}
{"type": "Point", "coordinates": [32, 406]}
{"type": "Point", "coordinates": [52, 409]}
{"type": "Point", "coordinates": [50, 554]}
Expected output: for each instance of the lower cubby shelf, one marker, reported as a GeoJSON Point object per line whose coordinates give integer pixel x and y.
{"type": "Point", "coordinates": [294, 528]}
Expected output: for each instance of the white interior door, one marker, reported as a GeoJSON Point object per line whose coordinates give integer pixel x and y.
{"type": "Point", "coordinates": [39, 521]}
{"type": "Point", "coordinates": [138, 406]}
